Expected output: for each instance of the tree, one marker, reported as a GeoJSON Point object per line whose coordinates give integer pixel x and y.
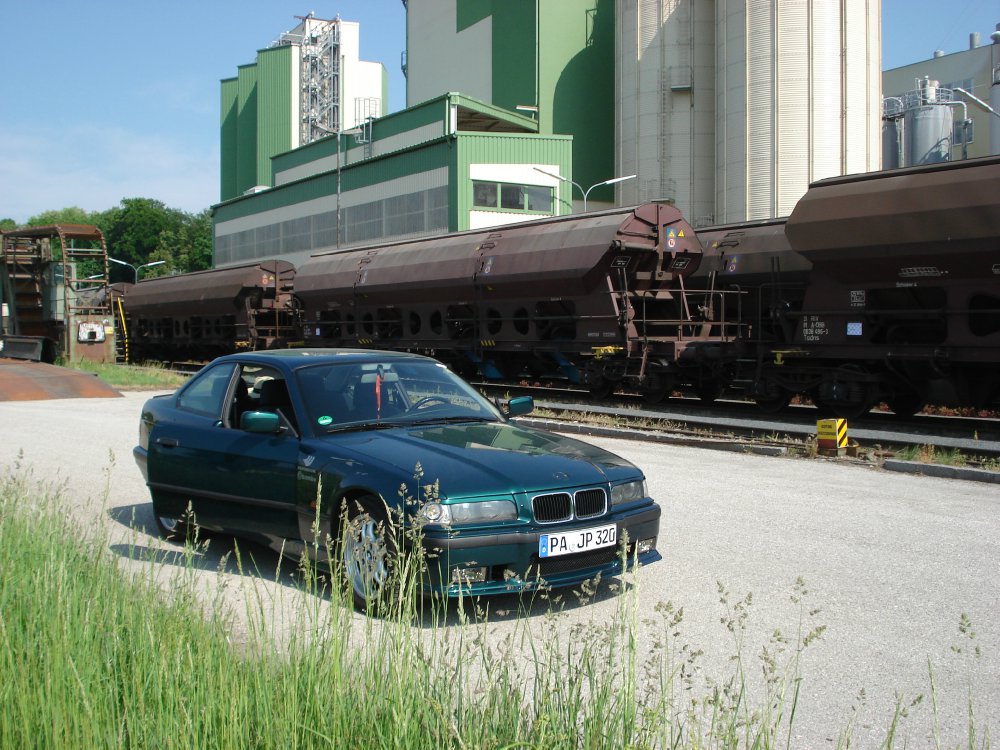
{"type": "Point", "coordinates": [133, 229]}
{"type": "Point", "coordinates": [69, 215]}
{"type": "Point", "coordinates": [189, 248]}
{"type": "Point", "coordinates": [7, 224]}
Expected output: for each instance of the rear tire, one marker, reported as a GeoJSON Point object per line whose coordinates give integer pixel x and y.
{"type": "Point", "coordinates": [176, 529]}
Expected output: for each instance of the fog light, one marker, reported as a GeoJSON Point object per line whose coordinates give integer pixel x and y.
{"type": "Point", "coordinates": [645, 545]}
{"type": "Point", "coordinates": [466, 576]}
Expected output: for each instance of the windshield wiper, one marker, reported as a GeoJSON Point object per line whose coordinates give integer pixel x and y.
{"type": "Point", "coordinates": [363, 427]}
{"type": "Point", "coordinates": [451, 420]}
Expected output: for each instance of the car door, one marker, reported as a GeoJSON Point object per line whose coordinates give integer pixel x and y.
{"type": "Point", "coordinates": [236, 481]}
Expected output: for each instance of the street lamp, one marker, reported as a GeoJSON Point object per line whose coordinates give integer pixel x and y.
{"type": "Point", "coordinates": [339, 132]}
{"type": "Point", "coordinates": [136, 269]}
{"type": "Point", "coordinates": [587, 191]}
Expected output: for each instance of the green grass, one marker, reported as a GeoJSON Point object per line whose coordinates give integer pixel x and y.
{"type": "Point", "coordinates": [151, 375]}
{"type": "Point", "coordinates": [93, 657]}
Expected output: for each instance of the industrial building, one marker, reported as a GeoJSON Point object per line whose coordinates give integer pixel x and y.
{"type": "Point", "coordinates": [448, 164]}
{"type": "Point", "coordinates": [307, 84]}
{"type": "Point", "coordinates": [938, 109]}
{"type": "Point", "coordinates": [728, 109]}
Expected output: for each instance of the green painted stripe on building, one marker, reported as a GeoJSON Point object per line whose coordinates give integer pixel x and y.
{"type": "Point", "coordinates": [274, 106]}
{"type": "Point", "coordinates": [246, 128]}
{"type": "Point", "coordinates": [471, 12]}
{"type": "Point", "coordinates": [229, 110]}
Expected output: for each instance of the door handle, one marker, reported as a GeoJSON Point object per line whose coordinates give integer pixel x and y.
{"type": "Point", "coordinates": [167, 442]}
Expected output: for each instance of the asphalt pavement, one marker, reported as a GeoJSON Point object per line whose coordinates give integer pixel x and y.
{"type": "Point", "coordinates": [891, 561]}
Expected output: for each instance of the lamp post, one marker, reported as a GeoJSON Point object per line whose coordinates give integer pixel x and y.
{"type": "Point", "coordinates": [136, 269]}
{"type": "Point", "coordinates": [340, 132]}
{"type": "Point", "coordinates": [586, 192]}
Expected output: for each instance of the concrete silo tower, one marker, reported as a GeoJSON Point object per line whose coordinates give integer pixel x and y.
{"type": "Point", "coordinates": [730, 108]}
{"type": "Point", "coordinates": [798, 99]}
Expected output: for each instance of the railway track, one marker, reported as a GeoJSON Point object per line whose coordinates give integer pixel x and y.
{"type": "Point", "coordinates": [793, 426]}
{"type": "Point", "coordinates": [733, 419]}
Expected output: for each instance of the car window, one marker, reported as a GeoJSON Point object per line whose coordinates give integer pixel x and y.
{"type": "Point", "coordinates": [400, 392]}
{"type": "Point", "coordinates": [262, 388]}
{"type": "Point", "coordinates": [206, 392]}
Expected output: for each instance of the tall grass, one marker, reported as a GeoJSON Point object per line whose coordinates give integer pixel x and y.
{"type": "Point", "coordinates": [149, 375]}
{"type": "Point", "coordinates": [90, 657]}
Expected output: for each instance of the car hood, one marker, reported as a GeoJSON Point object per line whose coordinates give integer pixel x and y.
{"type": "Point", "coordinates": [475, 459]}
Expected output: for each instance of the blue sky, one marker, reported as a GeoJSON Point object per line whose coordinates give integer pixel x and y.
{"type": "Point", "coordinates": [108, 99]}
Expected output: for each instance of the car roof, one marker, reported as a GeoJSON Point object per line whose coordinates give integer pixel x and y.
{"type": "Point", "coordinates": [296, 358]}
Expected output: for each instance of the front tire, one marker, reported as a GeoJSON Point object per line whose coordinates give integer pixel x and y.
{"type": "Point", "coordinates": [368, 554]}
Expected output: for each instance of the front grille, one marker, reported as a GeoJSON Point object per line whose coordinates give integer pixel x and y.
{"type": "Point", "coordinates": [590, 503]}
{"type": "Point", "coordinates": [571, 563]}
{"type": "Point", "coordinates": [551, 508]}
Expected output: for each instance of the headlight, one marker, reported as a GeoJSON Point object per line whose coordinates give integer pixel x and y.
{"type": "Point", "coordinates": [629, 492]}
{"type": "Point", "coordinates": [477, 511]}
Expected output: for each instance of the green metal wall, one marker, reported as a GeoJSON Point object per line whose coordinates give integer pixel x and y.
{"type": "Point", "coordinates": [363, 174]}
{"type": "Point", "coordinates": [274, 107]}
{"type": "Point", "coordinates": [577, 85]}
{"type": "Point", "coordinates": [557, 55]}
{"type": "Point", "coordinates": [228, 108]}
{"type": "Point", "coordinates": [484, 148]}
{"type": "Point", "coordinates": [246, 128]}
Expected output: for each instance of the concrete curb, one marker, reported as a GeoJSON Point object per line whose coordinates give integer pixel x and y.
{"type": "Point", "coordinates": [944, 472]}
{"type": "Point", "coordinates": [733, 446]}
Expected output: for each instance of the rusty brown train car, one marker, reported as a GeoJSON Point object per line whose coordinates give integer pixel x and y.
{"type": "Point", "coordinates": [596, 299]}
{"type": "Point", "coordinates": [201, 315]}
{"type": "Point", "coordinates": [880, 287]}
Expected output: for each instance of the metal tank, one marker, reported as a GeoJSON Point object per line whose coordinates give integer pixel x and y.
{"type": "Point", "coordinates": [927, 124]}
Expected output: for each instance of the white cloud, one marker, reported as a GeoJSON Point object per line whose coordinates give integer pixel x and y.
{"type": "Point", "coordinates": [49, 167]}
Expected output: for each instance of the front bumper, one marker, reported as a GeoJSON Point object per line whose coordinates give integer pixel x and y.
{"type": "Point", "coordinates": [512, 563]}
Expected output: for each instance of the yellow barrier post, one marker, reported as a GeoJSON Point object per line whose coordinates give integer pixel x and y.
{"type": "Point", "coordinates": [831, 436]}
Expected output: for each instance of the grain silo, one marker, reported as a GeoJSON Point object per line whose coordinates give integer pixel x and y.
{"type": "Point", "coordinates": [665, 119]}
{"type": "Point", "coordinates": [798, 99]}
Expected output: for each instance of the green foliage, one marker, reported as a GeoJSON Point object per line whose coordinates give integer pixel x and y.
{"type": "Point", "coordinates": [69, 215]}
{"type": "Point", "coordinates": [133, 229]}
{"type": "Point", "coordinates": [142, 230]}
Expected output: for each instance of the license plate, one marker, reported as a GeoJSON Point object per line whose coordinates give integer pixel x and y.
{"type": "Point", "coordinates": [580, 540]}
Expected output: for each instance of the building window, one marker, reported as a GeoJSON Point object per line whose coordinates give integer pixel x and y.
{"type": "Point", "coordinates": [484, 194]}
{"type": "Point", "coordinates": [532, 198]}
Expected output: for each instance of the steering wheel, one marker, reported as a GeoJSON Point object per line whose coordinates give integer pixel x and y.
{"type": "Point", "coordinates": [427, 401]}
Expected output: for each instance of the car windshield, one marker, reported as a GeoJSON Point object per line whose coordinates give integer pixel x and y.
{"type": "Point", "coordinates": [363, 395]}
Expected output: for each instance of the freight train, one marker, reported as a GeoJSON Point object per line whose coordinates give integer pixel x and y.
{"type": "Point", "coordinates": [878, 287]}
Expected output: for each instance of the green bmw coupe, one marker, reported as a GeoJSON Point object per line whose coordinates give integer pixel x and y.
{"type": "Point", "coordinates": [367, 452]}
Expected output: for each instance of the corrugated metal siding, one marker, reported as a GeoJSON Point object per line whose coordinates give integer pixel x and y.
{"type": "Point", "coordinates": [761, 107]}
{"type": "Point", "coordinates": [229, 111]}
{"type": "Point", "coordinates": [246, 134]}
{"type": "Point", "coordinates": [353, 177]}
{"type": "Point", "coordinates": [274, 101]}
{"type": "Point", "coordinates": [792, 112]}
{"type": "Point", "coordinates": [384, 127]}
{"type": "Point", "coordinates": [798, 127]}
{"type": "Point", "coordinates": [476, 148]}
{"type": "Point", "coordinates": [826, 92]}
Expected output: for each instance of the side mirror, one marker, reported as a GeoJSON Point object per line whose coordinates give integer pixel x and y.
{"type": "Point", "coordinates": [259, 421]}
{"type": "Point", "coordinates": [520, 405]}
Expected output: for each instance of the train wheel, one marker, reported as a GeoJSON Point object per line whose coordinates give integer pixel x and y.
{"type": "Point", "coordinates": [772, 404]}
{"type": "Point", "coordinates": [601, 388]}
{"type": "Point", "coordinates": [709, 390]}
{"type": "Point", "coordinates": [905, 404]}
{"type": "Point", "coordinates": [657, 388]}
{"type": "Point", "coordinates": [846, 393]}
